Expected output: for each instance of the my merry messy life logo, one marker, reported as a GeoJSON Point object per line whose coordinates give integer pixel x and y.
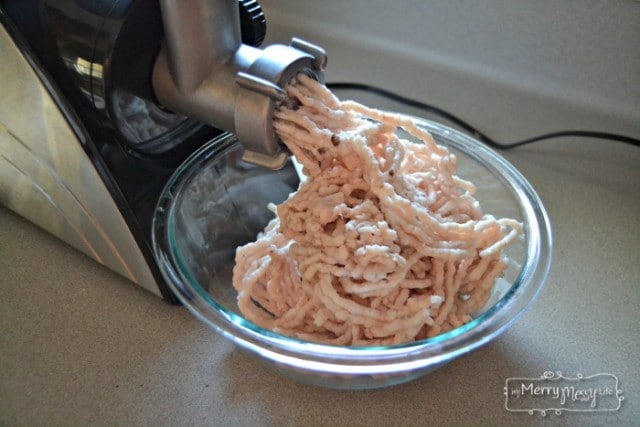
{"type": "Point", "coordinates": [554, 392]}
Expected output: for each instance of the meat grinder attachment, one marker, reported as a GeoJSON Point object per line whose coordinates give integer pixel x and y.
{"type": "Point", "coordinates": [205, 71]}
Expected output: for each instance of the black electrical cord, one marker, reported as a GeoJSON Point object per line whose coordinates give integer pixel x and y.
{"type": "Point", "coordinates": [472, 130]}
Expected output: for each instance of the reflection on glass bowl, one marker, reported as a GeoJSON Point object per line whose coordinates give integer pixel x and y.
{"type": "Point", "coordinates": [215, 202]}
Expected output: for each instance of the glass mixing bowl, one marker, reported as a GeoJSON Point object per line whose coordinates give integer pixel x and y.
{"type": "Point", "coordinates": [215, 202]}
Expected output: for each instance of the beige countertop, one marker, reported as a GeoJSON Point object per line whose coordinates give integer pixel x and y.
{"type": "Point", "coordinates": [79, 345]}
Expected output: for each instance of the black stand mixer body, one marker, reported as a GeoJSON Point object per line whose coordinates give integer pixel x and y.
{"type": "Point", "coordinates": [80, 73]}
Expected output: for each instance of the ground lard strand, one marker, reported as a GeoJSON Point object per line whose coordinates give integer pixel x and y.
{"type": "Point", "coordinates": [381, 244]}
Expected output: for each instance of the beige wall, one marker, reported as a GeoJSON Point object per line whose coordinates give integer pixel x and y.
{"type": "Point", "coordinates": [514, 68]}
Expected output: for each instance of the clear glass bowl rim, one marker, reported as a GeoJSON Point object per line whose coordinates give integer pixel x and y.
{"type": "Point", "coordinates": [330, 359]}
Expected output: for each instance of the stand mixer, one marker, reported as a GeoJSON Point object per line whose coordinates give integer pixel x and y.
{"type": "Point", "coordinates": [103, 100]}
